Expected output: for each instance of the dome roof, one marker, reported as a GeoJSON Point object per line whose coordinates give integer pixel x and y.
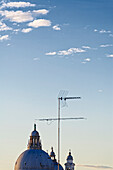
{"type": "Point", "coordinates": [34, 133]}
{"type": "Point", "coordinates": [56, 166]}
{"type": "Point", "coordinates": [34, 159]}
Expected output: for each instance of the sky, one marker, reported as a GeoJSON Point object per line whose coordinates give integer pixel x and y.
{"type": "Point", "coordinates": [52, 45]}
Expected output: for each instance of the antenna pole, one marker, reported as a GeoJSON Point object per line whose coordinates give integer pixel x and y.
{"type": "Point", "coordinates": [61, 98]}
{"type": "Point", "coordinates": [58, 132]}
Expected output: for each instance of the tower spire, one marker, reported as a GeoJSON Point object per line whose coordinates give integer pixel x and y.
{"type": "Point", "coordinates": [35, 127]}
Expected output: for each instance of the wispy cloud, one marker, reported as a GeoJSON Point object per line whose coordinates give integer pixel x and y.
{"type": "Point", "coordinates": [100, 90]}
{"type": "Point", "coordinates": [95, 30]}
{"type": "Point", "coordinates": [83, 62]}
{"type": "Point", "coordinates": [4, 37]}
{"type": "Point", "coordinates": [4, 27]}
{"type": "Point", "coordinates": [16, 30]}
{"type": "Point", "coordinates": [41, 11]}
{"type": "Point", "coordinates": [17, 5]}
{"type": "Point", "coordinates": [8, 44]}
{"type": "Point", "coordinates": [96, 166]}
{"type": "Point", "coordinates": [111, 35]}
{"type": "Point", "coordinates": [50, 53]}
{"type": "Point", "coordinates": [86, 47]}
{"type": "Point", "coordinates": [102, 31]}
{"type": "Point", "coordinates": [110, 55]}
{"type": "Point", "coordinates": [56, 27]}
{"type": "Point", "coordinates": [17, 16]}
{"type": "Point", "coordinates": [106, 45]}
{"type": "Point", "coordinates": [36, 59]}
{"type": "Point", "coordinates": [70, 51]}
{"type": "Point", "coordinates": [40, 23]}
{"type": "Point", "coordinates": [87, 59]}
{"type": "Point", "coordinates": [26, 30]}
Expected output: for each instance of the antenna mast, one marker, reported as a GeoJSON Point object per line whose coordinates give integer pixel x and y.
{"type": "Point", "coordinates": [62, 98]}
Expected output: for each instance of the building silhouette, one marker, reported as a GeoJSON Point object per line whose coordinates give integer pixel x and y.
{"type": "Point", "coordinates": [34, 158]}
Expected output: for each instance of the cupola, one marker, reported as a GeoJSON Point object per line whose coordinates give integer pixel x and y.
{"type": "Point", "coordinates": [52, 154]}
{"type": "Point", "coordinates": [69, 165]}
{"type": "Point", "coordinates": [34, 142]}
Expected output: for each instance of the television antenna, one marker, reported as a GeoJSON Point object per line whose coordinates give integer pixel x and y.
{"type": "Point", "coordinates": [50, 120]}
{"type": "Point", "coordinates": [62, 97]}
{"type": "Point", "coordinates": [61, 103]}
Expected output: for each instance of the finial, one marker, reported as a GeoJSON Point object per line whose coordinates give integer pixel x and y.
{"type": "Point", "coordinates": [52, 149]}
{"type": "Point", "coordinates": [34, 126]}
{"type": "Point", "coordinates": [69, 151]}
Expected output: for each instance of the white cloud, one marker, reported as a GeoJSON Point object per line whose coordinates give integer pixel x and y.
{"type": "Point", "coordinates": [17, 16]}
{"type": "Point", "coordinates": [104, 31]}
{"type": "Point", "coordinates": [110, 55]}
{"type": "Point", "coordinates": [26, 30]}
{"type": "Point", "coordinates": [16, 30]}
{"type": "Point", "coordinates": [83, 62]}
{"type": "Point", "coordinates": [17, 5]}
{"type": "Point", "coordinates": [4, 27]}
{"type": "Point", "coordinates": [8, 44]}
{"type": "Point", "coordinates": [64, 52]}
{"type": "Point", "coordinates": [71, 51]}
{"type": "Point", "coordinates": [86, 47]}
{"type": "Point", "coordinates": [87, 59]}
{"type": "Point", "coordinates": [40, 23]}
{"type": "Point", "coordinates": [4, 37]}
{"type": "Point", "coordinates": [95, 30]}
{"type": "Point", "coordinates": [96, 166]}
{"type": "Point", "coordinates": [100, 90]}
{"type": "Point", "coordinates": [86, 27]}
{"type": "Point", "coordinates": [106, 45]}
{"type": "Point", "coordinates": [111, 35]}
{"type": "Point", "coordinates": [36, 59]}
{"type": "Point", "coordinates": [41, 11]}
{"type": "Point", "coordinates": [56, 27]}
{"type": "Point", "coordinates": [51, 53]}
{"type": "Point", "coordinates": [14, 23]}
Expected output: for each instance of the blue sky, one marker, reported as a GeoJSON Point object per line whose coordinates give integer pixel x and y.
{"type": "Point", "coordinates": [48, 46]}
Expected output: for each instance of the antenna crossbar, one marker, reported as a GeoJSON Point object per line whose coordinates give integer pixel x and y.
{"type": "Point", "coordinates": [64, 118]}
{"type": "Point", "coordinates": [65, 98]}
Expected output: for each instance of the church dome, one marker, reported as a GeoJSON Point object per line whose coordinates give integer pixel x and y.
{"type": "Point", "coordinates": [34, 159]}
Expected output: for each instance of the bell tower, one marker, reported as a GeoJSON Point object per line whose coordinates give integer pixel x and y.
{"type": "Point", "coordinates": [69, 165]}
